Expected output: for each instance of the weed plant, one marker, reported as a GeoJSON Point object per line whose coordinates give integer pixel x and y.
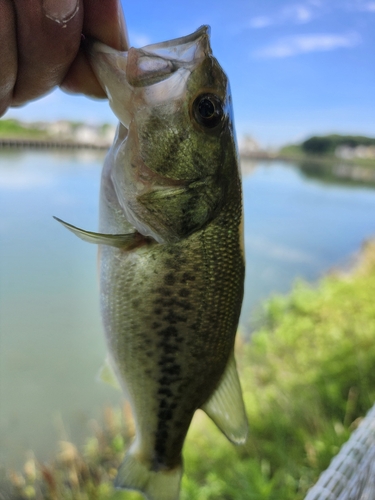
{"type": "Point", "coordinates": [308, 378]}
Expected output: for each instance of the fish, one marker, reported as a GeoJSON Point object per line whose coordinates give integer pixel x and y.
{"type": "Point", "coordinates": [170, 250]}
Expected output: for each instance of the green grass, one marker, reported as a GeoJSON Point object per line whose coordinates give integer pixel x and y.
{"type": "Point", "coordinates": [308, 377]}
{"type": "Point", "coordinates": [13, 129]}
{"type": "Point", "coordinates": [292, 151]}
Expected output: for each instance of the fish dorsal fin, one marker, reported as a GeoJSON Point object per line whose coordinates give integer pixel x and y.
{"type": "Point", "coordinates": [125, 241]}
{"type": "Point", "coordinates": [226, 407]}
{"type": "Point", "coordinates": [107, 375]}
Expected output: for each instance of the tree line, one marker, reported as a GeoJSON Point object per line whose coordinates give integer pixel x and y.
{"type": "Point", "coordinates": [327, 144]}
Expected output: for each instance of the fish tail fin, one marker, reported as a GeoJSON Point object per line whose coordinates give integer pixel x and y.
{"type": "Point", "coordinates": [155, 485]}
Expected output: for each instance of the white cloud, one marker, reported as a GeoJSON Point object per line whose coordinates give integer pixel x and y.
{"type": "Point", "coordinates": [361, 5]}
{"type": "Point", "coordinates": [303, 44]}
{"type": "Point", "coordinates": [138, 39]}
{"type": "Point", "coordinates": [260, 22]}
{"type": "Point", "coordinates": [305, 11]}
{"type": "Point", "coordinates": [369, 7]}
{"type": "Point", "coordinates": [298, 13]}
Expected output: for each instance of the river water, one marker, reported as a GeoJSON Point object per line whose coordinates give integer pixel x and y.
{"type": "Point", "coordinates": [51, 341]}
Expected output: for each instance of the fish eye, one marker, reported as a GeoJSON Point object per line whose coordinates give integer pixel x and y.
{"type": "Point", "coordinates": [208, 110]}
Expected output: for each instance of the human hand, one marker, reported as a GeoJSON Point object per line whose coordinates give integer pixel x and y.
{"type": "Point", "coordinates": [40, 46]}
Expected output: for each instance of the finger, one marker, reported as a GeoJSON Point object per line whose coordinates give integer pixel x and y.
{"type": "Point", "coordinates": [80, 79]}
{"type": "Point", "coordinates": [48, 38]}
{"type": "Point", "coordinates": [105, 22]}
{"type": "Point", "coordinates": [8, 54]}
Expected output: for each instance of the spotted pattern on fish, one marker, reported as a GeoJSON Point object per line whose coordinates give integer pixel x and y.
{"type": "Point", "coordinates": [179, 148]}
{"type": "Point", "coordinates": [171, 295]}
{"type": "Point", "coordinates": [185, 309]}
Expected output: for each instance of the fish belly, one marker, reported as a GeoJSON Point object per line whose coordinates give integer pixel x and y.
{"type": "Point", "coordinates": [170, 314]}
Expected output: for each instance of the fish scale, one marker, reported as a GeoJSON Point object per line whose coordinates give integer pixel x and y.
{"type": "Point", "coordinates": [191, 328]}
{"type": "Point", "coordinates": [171, 254]}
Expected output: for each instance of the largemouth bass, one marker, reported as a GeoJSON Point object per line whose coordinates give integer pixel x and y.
{"type": "Point", "coordinates": [171, 254]}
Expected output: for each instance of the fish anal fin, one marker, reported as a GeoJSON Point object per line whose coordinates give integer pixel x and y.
{"type": "Point", "coordinates": [226, 407]}
{"type": "Point", "coordinates": [155, 485]}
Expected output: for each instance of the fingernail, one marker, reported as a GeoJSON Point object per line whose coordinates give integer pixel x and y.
{"type": "Point", "coordinates": [60, 11]}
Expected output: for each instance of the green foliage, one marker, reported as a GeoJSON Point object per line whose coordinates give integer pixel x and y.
{"type": "Point", "coordinates": [308, 376]}
{"type": "Point", "coordinates": [316, 158]}
{"type": "Point", "coordinates": [292, 151]}
{"type": "Point", "coordinates": [14, 129]}
{"type": "Point", "coordinates": [323, 145]}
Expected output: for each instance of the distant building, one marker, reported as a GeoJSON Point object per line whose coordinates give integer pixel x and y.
{"type": "Point", "coordinates": [61, 129]}
{"type": "Point", "coordinates": [247, 145]}
{"type": "Point", "coordinates": [82, 133]}
{"type": "Point", "coordinates": [91, 134]}
{"type": "Point", "coordinates": [108, 133]}
{"type": "Point", "coordinates": [349, 153]}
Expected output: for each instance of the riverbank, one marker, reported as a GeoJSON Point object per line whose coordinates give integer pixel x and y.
{"type": "Point", "coordinates": [295, 154]}
{"type": "Point", "coordinates": [325, 168]}
{"type": "Point", "coordinates": [56, 135]}
{"type": "Point", "coordinates": [35, 144]}
{"type": "Point", "coordinates": [308, 378]}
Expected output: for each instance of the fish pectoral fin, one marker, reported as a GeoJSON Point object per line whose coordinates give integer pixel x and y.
{"type": "Point", "coordinates": [124, 241]}
{"type": "Point", "coordinates": [106, 374]}
{"type": "Point", "coordinates": [226, 407]}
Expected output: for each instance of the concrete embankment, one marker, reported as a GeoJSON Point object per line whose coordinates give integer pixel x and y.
{"type": "Point", "coordinates": [49, 144]}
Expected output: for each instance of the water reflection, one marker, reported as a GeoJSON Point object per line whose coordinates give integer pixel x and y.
{"type": "Point", "coordinates": [298, 227]}
{"type": "Point", "coordinates": [338, 172]}
{"type": "Point", "coordinates": [51, 341]}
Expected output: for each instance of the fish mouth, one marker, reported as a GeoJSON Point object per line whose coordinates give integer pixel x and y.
{"type": "Point", "coordinates": [155, 62]}
{"type": "Point", "coordinates": [184, 49]}
{"type": "Point", "coordinates": [122, 73]}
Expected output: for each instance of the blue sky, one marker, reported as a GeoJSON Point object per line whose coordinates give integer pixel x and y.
{"type": "Point", "coordinates": [296, 68]}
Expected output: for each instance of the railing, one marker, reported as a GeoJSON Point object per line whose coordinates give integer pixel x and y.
{"type": "Point", "coordinates": [351, 474]}
{"type": "Point", "coordinates": [49, 144]}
